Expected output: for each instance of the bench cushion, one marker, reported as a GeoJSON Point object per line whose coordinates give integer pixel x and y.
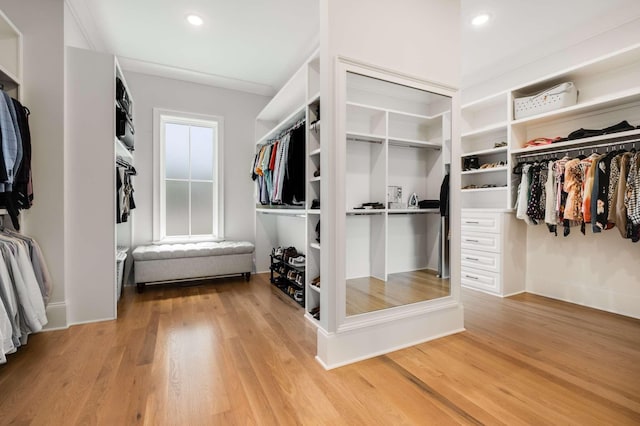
{"type": "Point", "coordinates": [200, 249]}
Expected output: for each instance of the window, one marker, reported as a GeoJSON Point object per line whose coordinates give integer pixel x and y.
{"type": "Point", "coordinates": [188, 177]}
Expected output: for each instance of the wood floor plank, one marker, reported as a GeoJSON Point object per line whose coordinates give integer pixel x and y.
{"type": "Point", "coordinates": [240, 353]}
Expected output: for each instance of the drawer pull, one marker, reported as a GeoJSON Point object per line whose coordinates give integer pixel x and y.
{"type": "Point", "coordinates": [471, 241]}
{"type": "Point", "coordinates": [471, 277]}
{"type": "Point", "coordinates": [475, 259]}
{"type": "Point", "coordinates": [472, 222]}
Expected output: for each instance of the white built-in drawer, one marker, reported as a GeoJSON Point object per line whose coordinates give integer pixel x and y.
{"type": "Point", "coordinates": [481, 280]}
{"type": "Point", "coordinates": [477, 221]}
{"type": "Point", "coordinates": [484, 260]}
{"type": "Point", "coordinates": [480, 241]}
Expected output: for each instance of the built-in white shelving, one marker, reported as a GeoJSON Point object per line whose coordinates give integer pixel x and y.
{"type": "Point", "coordinates": [486, 170]}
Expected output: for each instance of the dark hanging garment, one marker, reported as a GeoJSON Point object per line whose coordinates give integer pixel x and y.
{"type": "Point", "coordinates": [295, 175]}
{"type": "Point", "coordinates": [444, 196]}
{"type": "Point", "coordinates": [23, 194]}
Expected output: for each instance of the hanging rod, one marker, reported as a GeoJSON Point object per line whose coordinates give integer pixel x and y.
{"type": "Point", "coordinates": [578, 148]}
{"type": "Point", "coordinates": [279, 135]}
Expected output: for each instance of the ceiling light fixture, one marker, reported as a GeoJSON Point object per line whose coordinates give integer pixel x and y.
{"type": "Point", "coordinates": [480, 19]}
{"type": "Point", "coordinates": [194, 20]}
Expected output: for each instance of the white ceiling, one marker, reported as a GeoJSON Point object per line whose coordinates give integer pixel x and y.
{"type": "Point", "coordinates": [255, 45]}
{"type": "Point", "coordinates": [252, 45]}
{"type": "Point", "coordinates": [524, 31]}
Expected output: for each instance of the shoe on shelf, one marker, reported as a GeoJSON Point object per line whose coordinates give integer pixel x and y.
{"type": "Point", "coordinates": [298, 261]}
{"type": "Point", "coordinates": [297, 296]}
{"type": "Point", "coordinates": [289, 253]}
{"type": "Point", "coordinates": [499, 144]}
{"type": "Point", "coordinates": [316, 173]}
{"type": "Point", "coordinates": [277, 252]}
{"type": "Point", "coordinates": [315, 203]}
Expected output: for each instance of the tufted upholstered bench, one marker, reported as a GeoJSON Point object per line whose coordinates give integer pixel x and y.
{"type": "Point", "coordinates": [159, 263]}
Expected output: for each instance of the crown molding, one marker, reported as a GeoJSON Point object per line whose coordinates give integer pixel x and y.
{"type": "Point", "coordinates": [176, 73]}
{"type": "Point", "coordinates": [86, 24]}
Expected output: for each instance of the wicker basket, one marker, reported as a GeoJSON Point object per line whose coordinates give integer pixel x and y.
{"type": "Point", "coordinates": [560, 96]}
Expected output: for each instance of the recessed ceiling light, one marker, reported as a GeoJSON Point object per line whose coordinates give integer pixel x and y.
{"type": "Point", "coordinates": [194, 20]}
{"type": "Point", "coordinates": [480, 19]}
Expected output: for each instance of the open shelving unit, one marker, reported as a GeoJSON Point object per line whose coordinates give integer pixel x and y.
{"type": "Point", "coordinates": [294, 225]}
{"type": "Point", "coordinates": [394, 136]}
{"type": "Point", "coordinates": [609, 92]}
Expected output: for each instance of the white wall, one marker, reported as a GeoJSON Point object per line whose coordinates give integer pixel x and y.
{"type": "Point", "coordinates": [239, 111]}
{"type": "Point", "coordinates": [599, 271]}
{"type": "Point", "coordinates": [41, 24]}
{"type": "Point", "coordinates": [73, 35]}
{"type": "Point", "coordinates": [606, 43]}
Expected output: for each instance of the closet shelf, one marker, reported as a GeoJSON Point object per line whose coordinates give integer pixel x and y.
{"type": "Point", "coordinates": [289, 121]}
{"type": "Point", "coordinates": [584, 142]}
{"type": "Point", "coordinates": [315, 246]}
{"type": "Point", "coordinates": [412, 211]}
{"type": "Point", "coordinates": [495, 100]}
{"type": "Point", "coordinates": [486, 130]}
{"type": "Point", "coordinates": [489, 170]}
{"type": "Point", "coordinates": [314, 288]}
{"type": "Point", "coordinates": [492, 189]}
{"type": "Point", "coordinates": [598, 104]}
{"type": "Point", "coordinates": [315, 98]}
{"type": "Point", "coordinates": [281, 211]}
{"type": "Point", "coordinates": [392, 111]}
{"type": "Point", "coordinates": [293, 92]}
{"type": "Point", "coordinates": [10, 80]}
{"type": "Point", "coordinates": [364, 137]}
{"type": "Point", "coordinates": [315, 179]}
{"type": "Point", "coordinates": [314, 152]}
{"type": "Point", "coordinates": [313, 211]}
{"type": "Point", "coordinates": [414, 143]}
{"type": "Point", "coordinates": [357, 212]}
{"type": "Point", "coordinates": [489, 151]}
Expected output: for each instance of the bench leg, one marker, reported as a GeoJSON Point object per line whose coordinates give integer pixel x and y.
{"type": "Point", "coordinates": [140, 287]}
{"type": "Point", "coordinates": [247, 276]}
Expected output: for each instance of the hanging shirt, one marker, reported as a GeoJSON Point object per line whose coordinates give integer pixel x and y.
{"type": "Point", "coordinates": [9, 141]}
{"type": "Point", "coordinates": [632, 196]}
{"type": "Point", "coordinates": [573, 179]}
{"type": "Point", "coordinates": [550, 215]}
{"type": "Point", "coordinates": [523, 195]}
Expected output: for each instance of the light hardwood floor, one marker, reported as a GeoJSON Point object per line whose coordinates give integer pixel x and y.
{"type": "Point", "coordinates": [371, 294]}
{"type": "Point", "coordinates": [231, 352]}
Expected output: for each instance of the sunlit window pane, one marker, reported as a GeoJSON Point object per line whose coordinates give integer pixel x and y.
{"type": "Point", "coordinates": [202, 153]}
{"type": "Point", "coordinates": [177, 208]}
{"type": "Point", "coordinates": [176, 151]}
{"type": "Point", "coordinates": [201, 208]}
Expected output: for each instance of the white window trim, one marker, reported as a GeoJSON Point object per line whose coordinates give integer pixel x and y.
{"type": "Point", "coordinates": [161, 115]}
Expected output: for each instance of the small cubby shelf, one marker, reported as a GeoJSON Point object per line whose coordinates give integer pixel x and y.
{"type": "Point", "coordinates": [487, 170]}
{"type": "Point", "coordinates": [491, 128]}
{"type": "Point", "coordinates": [491, 189]}
{"type": "Point", "coordinates": [489, 151]}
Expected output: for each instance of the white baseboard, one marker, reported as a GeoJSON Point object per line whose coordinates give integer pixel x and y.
{"type": "Point", "coordinates": [342, 348]}
{"type": "Point", "coordinates": [57, 316]}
